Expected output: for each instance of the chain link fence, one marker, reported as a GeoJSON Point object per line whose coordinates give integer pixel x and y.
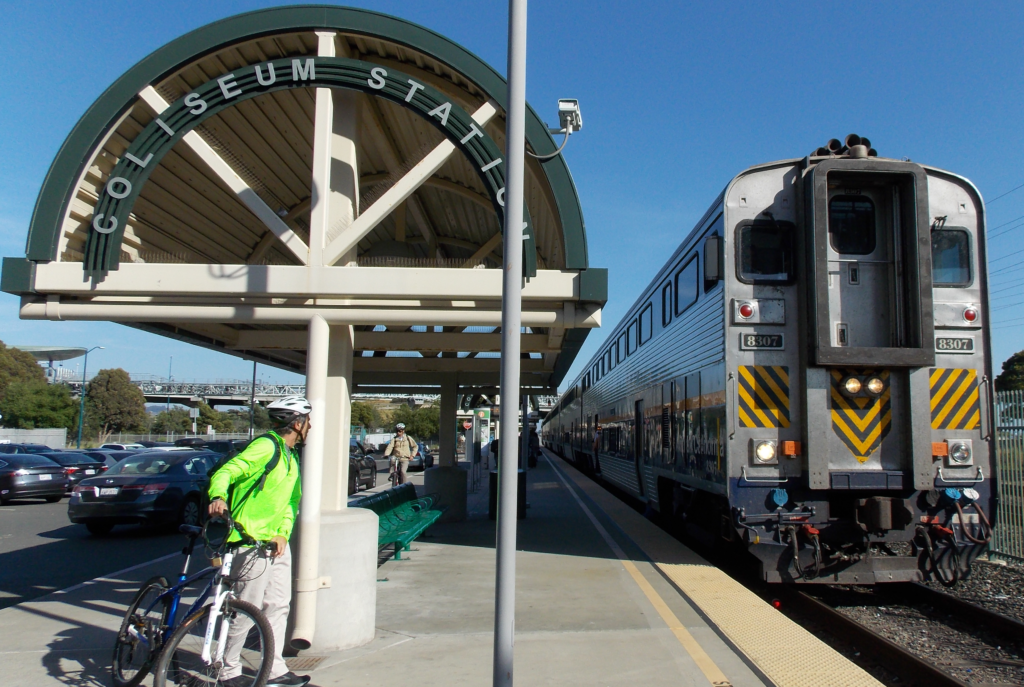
{"type": "Point", "coordinates": [1008, 538]}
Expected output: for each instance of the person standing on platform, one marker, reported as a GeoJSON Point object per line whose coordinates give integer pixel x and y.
{"type": "Point", "coordinates": [261, 489]}
{"type": "Point", "coordinates": [401, 449]}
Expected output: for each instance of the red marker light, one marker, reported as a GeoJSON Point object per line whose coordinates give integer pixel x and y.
{"type": "Point", "coordinates": [746, 310]}
{"type": "Point", "coordinates": [776, 604]}
{"type": "Point", "coordinates": [970, 314]}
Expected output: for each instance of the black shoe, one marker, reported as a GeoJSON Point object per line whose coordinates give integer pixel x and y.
{"type": "Point", "coordinates": [289, 679]}
{"type": "Point", "coordinates": [238, 681]}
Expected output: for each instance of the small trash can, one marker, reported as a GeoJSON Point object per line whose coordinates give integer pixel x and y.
{"type": "Point", "coordinates": [492, 507]}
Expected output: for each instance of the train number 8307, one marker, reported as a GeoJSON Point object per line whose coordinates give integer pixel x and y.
{"type": "Point", "coordinates": [954, 345]}
{"type": "Point", "coordinates": [749, 342]}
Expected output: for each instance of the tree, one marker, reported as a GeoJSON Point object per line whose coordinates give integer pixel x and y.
{"type": "Point", "coordinates": [114, 404]}
{"type": "Point", "coordinates": [18, 366]}
{"type": "Point", "coordinates": [426, 422]}
{"type": "Point", "coordinates": [1012, 376]}
{"type": "Point", "coordinates": [38, 405]}
{"type": "Point", "coordinates": [175, 420]}
{"type": "Point", "coordinates": [366, 415]}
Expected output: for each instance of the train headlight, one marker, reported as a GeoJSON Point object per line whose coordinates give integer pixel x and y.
{"type": "Point", "coordinates": [852, 386]}
{"type": "Point", "coordinates": [764, 452]}
{"type": "Point", "coordinates": [875, 386]}
{"type": "Point", "coordinates": [959, 453]}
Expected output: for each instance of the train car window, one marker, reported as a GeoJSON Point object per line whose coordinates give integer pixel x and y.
{"type": "Point", "coordinates": [646, 324]}
{"type": "Point", "coordinates": [951, 257]}
{"type": "Point", "coordinates": [765, 252]}
{"type": "Point", "coordinates": [686, 286]}
{"type": "Point", "coordinates": [666, 304]}
{"type": "Point", "coordinates": [851, 225]}
{"type": "Point", "coordinates": [631, 338]}
{"type": "Point", "coordinates": [609, 360]}
{"type": "Point", "coordinates": [620, 347]}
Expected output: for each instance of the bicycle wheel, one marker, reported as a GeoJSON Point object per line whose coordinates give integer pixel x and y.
{"type": "Point", "coordinates": [249, 635]}
{"type": "Point", "coordinates": [138, 640]}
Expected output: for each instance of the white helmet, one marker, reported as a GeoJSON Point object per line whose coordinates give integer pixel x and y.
{"type": "Point", "coordinates": [289, 409]}
{"type": "Point", "coordinates": [399, 426]}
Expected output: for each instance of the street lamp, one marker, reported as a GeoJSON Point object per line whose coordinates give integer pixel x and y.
{"type": "Point", "coordinates": [81, 402]}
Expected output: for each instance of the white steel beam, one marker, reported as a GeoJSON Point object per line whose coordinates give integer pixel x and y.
{"type": "Point", "coordinates": [256, 339]}
{"type": "Point", "coordinates": [225, 173]}
{"type": "Point", "coordinates": [279, 281]}
{"type": "Point", "coordinates": [399, 192]}
{"type": "Point", "coordinates": [484, 250]}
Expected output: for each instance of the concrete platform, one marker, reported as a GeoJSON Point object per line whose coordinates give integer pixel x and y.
{"type": "Point", "coordinates": [599, 602]}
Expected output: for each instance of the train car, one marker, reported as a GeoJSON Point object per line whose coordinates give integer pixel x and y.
{"type": "Point", "coordinates": [809, 375]}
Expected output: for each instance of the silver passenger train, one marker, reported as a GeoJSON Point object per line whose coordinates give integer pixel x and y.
{"type": "Point", "coordinates": [809, 374]}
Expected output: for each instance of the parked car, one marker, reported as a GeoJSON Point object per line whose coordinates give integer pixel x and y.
{"type": "Point", "coordinates": [156, 444]}
{"type": "Point", "coordinates": [30, 475]}
{"type": "Point", "coordinates": [108, 456]}
{"type": "Point", "coordinates": [190, 441]}
{"type": "Point", "coordinates": [150, 487]}
{"type": "Point", "coordinates": [223, 446]}
{"type": "Point", "coordinates": [77, 466]}
{"type": "Point", "coordinates": [122, 447]}
{"type": "Point", "coordinates": [422, 460]}
{"type": "Point", "coordinates": [362, 468]}
{"type": "Point", "coordinates": [26, 448]}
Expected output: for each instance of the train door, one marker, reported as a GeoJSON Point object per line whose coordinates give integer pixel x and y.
{"type": "Point", "coordinates": [639, 441]}
{"type": "Point", "coordinates": [691, 407]}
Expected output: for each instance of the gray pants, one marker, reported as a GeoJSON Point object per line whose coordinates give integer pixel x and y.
{"type": "Point", "coordinates": [403, 470]}
{"type": "Point", "coordinates": [271, 592]}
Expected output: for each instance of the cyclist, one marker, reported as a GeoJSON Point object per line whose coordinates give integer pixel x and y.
{"type": "Point", "coordinates": [401, 449]}
{"type": "Point", "coordinates": [261, 489]}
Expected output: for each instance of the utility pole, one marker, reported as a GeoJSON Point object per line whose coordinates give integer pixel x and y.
{"type": "Point", "coordinates": [511, 326]}
{"type": "Point", "coordinates": [252, 403]}
{"type": "Point", "coordinates": [170, 365]}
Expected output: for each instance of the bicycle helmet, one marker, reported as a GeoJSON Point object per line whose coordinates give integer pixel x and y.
{"type": "Point", "coordinates": [399, 426]}
{"type": "Point", "coordinates": [289, 409]}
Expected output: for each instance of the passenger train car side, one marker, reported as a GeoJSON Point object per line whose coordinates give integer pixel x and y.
{"type": "Point", "coordinates": [809, 375]}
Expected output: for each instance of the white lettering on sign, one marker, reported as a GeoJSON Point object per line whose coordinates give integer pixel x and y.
{"type": "Point", "coordinates": [376, 79]}
{"type": "Point", "coordinates": [501, 196]}
{"type": "Point", "coordinates": [197, 104]}
{"type": "Point", "coordinates": [475, 132]}
{"type": "Point", "coordinates": [167, 129]}
{"type": "Point", "coordinates": [412, 90]}
{"type": "Point", "coordinates": [271, 79]}
{"type": "Point", "coordinates": [226, 84]}
{"type": "Point", "coordinates": [111, 226]}
{"type": "Point", "coordinates": [443, 111]}
{"type": "Point", "coordinates": [489, 165]}
{"type": "Point", "coordinates": [126, 187]}
{"type": "Point", "coordinates": [302, 72]}
{"type": "Point", "coordinates": [140, 163]}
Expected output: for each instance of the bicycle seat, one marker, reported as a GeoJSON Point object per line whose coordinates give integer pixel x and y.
{"type": "Point", "coordinates": [190, 530]}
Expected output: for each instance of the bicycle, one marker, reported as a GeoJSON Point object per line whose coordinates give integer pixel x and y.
{"type": "Point", "coordinates": [193, 652]}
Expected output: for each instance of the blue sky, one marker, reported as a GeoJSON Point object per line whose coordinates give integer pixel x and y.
{"type": "Point", "coordinates": [677, 98]}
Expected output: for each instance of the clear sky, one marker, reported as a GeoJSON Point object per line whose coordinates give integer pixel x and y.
{"type": "Point", "coordinates": [677, 98]}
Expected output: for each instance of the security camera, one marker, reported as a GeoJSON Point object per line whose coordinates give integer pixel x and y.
{"type": "Point", "coordinates": [569, 117]}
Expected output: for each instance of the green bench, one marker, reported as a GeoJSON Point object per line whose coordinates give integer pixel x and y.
{"type": "Point", "coordinates": [403, 517]}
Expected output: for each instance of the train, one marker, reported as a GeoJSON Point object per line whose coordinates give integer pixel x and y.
{"type": "Point", "coordinates": [809, 376]}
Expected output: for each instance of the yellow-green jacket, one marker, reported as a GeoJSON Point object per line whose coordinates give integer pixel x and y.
{"type": "Point", "coordinates": [267, 512]}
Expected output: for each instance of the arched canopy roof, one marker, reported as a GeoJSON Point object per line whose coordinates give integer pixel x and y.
{"type": "Point", "coordinates": [188, 192]}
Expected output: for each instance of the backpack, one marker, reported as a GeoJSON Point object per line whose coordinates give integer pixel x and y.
{"type": "Point", "coordinates": [256, 487]}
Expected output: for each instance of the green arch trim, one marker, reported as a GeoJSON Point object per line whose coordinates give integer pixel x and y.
{"type": "Point", "coordinates": [126, 180]}
{"type": "Point", "coordinates": [76, 151]}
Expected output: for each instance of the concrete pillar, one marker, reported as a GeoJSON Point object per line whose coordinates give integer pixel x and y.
{"type": "Point", "coordinates": [447, 480]}
{"type": "Point", "coordinates": [336, 581]}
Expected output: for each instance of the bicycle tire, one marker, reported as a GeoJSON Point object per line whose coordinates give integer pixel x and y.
{"type": "Point", "coordinates": [133, 658]}
{"type": "Point", "coordinates": [180, 662]}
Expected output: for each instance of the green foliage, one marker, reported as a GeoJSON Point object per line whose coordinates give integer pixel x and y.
{"type": "Point", "coordinates": [114, 404]}
{"type": "Point", "coordinates": [1012, 376]}
{"type": "Point", "coordinates": [18, 366]}
{"type": "Point", "coordinates": [174, 420]}
{"type": "Point", "coordinates": [38, 405]}
{"type": "Point", "coordinates": [366, 415]}
{"type": "Point", "coordinates": [422, 423]}
{"type": "Point", "coordinates": [221, 422]}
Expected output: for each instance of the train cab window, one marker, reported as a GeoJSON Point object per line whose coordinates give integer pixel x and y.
{"type": "Point", "coordinates": [646, 324]}
{"type": "Point", "coordinates": [951, 257]}
{"type": "Point", "coordinates": [631, 338]}
{"type": "Point", "coordinates": [765, 252]}
{"type": "Point", "coordinates": [851, 225]}
{"type": "Point", "coordinates": [686, 286]}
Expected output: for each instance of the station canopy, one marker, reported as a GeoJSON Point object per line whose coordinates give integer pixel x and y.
{"type": "Point", "coordinates": [214, 195]}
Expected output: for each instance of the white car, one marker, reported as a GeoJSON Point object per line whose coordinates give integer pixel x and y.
{"type": "Point", "coordinates": [122, 447]}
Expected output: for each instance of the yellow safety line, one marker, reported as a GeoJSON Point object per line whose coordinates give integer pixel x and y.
{"type": "Point", "coordinates": [707, 666]}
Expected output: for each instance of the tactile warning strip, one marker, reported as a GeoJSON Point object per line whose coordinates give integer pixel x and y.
{"type": "Point", "coordinates": [784, 652]}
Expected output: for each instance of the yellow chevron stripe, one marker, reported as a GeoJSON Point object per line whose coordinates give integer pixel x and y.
{"type": "Point", "coordinates": [937, 395]}
{"type": "Point", "coordinates": [783, 395]}
{"type": "Point", "coordinates": [862, 424]}
{"type": "Point", "coordinates": [935, 376]}
{"type": "Point", "coordinates": [860, 446]}
{"type": "Point", "coordinates": [783, 375]}
{"type": "Point", "coordinates": [974, 421]}
{"type": "Point", "coordinates": [752, 408]}
{"type": "Point", "coordinates": [950, 403]}
{"type": "Point", "coordinates": [745, 420]}
{"type": "Point", "coordinates": [968, 403]}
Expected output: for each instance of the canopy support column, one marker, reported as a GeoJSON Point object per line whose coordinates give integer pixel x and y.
{"type": "Point", "coordinates": [448, 480]}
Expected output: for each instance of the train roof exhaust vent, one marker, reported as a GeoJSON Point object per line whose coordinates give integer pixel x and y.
{"type": "Point", "coordinates": [854, 146]}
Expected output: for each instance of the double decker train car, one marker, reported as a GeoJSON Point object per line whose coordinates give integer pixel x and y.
{"type": "Point", "coordinates": [809, 374]}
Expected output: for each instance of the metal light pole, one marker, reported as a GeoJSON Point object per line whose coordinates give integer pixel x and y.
{"type": "Point", "coordinates": [170, 365]}
{"type": "Point", "coordinates": [252, 403]}
{"type": "Point", "coordinates": [81, 399]}
{"type": "Point", "coordinates": [511, 325]}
